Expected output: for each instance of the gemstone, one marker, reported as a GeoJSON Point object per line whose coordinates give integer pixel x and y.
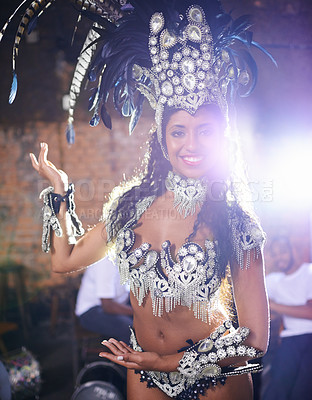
{"type": "Point", "coordinates": [153, 41]}
{"type": "Point", "coordinates": [151, 258]}
{"type": "Point", "coordinates": [195, 53]}
{"type": "Point", "coordinates": [138, 253]}
{"type": "Point", "coordinates": [207, 56]}
{"type": "Point", "coordinates": [205, 346]}
{"type": "Point", "coordinates": [157, 22]}
{"type": "Point", "coordinates": [204, 47]}
{"type": "Point", "coordinates": [194, 33]}
{"type": "Point", "coordinates": [164, 55]}
{"type": "Point", "coordinates": [189, 81]}
{"type": "Point", "coordinates": [186, 51]}
{"type": "Point", "coordinates": [205, 65]}
{"type": "Point", "coordinates": [179, 89]}
{"type": "Point", "coordinates": [187, 66]}
{"type": "Point", "coordinates": [212, 357]}
{"type": "Point", "coordinates": [175, 80]}
{"type": "Point", "coordinates": [212, 370]}
{"type": "Point", "coordinates": [201, 75]}
{"type": "Point", "coordinates": [155, 59]}
{"type": "Point", "coordinates": [189, 264]}
{"type": "Point", "coordinates": [177, 56]}
{"type": "Point", "coordinates": [192, 249]}
{"type": "Point", "coordinates": [190, 190]}
{"type": "Point", "coordinates": [196, 14]}
{"type": "Point", "coordinates": [168, 40]}
{"type": "Point", "coordinates": [167, 88]}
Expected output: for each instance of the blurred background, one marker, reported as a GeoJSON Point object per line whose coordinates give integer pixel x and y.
{"type": "Point", "coordinates": [275, 124]}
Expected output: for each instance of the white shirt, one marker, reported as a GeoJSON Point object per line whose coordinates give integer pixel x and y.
{"type": "Point", "coordinates": [101, 280]}
{"type": "Point", "coordinates": [292, 290]}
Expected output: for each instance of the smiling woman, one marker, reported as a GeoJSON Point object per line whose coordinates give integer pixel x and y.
{"type": "Point", "coordinates": [193, 261]}
{"type": "Point", "coordinates": [195, 143]}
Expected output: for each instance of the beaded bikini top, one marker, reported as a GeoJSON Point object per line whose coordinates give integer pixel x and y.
{"type": "Point", "coordinates": [192, 280]}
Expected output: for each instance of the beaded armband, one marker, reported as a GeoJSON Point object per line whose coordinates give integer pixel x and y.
{"type": "Point", "coordinates": [51, 207]}
{"type": "Point", "coordinates": [200, 360]}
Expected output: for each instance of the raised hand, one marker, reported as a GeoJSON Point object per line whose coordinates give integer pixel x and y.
{"type": "Point", "coordinates": [45, 168]}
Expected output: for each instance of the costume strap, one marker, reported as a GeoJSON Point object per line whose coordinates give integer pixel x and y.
{"type": "Point", "coordinates": [247, 236]}
{"type": "Point", "coordinates": [51, 207]}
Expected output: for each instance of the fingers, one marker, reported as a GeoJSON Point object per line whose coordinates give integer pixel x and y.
{"type": "Point", "coordinates": [121, 353]}
{"type": "Point", "coordinates": [34, 161]}
{"type": "Point", "coordinates": [116, 347]}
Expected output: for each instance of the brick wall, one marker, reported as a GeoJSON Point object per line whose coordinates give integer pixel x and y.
{"type": "Point", "coordinates": [95, 163]}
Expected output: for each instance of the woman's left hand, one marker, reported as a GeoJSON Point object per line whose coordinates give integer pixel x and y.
{"type": "Point", "coordinates": [124, 355]}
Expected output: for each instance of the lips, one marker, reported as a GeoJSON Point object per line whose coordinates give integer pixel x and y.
{"type": "Point", "coordinates": [192, 160]}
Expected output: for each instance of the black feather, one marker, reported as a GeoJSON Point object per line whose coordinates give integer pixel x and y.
{"type": "Point", "coordinates": [105, 117]}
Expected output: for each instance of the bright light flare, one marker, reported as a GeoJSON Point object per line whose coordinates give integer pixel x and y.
{"type": "Point", "coordinates": [291, 173]}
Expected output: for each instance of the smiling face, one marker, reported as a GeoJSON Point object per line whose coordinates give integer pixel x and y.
{"type": "Point", "coordinates": [195, 142]}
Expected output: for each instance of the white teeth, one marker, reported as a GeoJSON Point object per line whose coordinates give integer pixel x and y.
{"type": "Point", "coordinates": [193, 159]}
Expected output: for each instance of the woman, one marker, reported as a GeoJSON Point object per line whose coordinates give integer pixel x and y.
{"type": "Point", "coordinates": [195, 145]}
{"type": "Point", "coordinates": [182, 234]}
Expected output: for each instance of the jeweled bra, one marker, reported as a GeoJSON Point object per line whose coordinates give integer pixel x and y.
{"type": "Point", "coordinates": [189, 281]}
{"type": "Point", "coordinates": [193, 279]}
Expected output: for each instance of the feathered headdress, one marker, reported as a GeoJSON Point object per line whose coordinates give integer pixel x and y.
{"type": "Point", "coordinates": [173, 52]}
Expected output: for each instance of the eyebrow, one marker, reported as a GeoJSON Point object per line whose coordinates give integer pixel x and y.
{"type": "Point", "coordinates": [206, 124]}
{"type": "Point", "coordinates": [177, 126]}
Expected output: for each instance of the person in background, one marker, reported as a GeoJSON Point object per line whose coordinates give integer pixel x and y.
{"type": "Point", "coordinates": [103, 303]}
{"type": "Point", "coordinates": [290, 297]}
{"type": "Point", "coordinates": [5, 387]}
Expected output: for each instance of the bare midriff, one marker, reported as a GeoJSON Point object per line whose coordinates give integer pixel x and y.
{"type": "Point", "coordinates": [168, 333]}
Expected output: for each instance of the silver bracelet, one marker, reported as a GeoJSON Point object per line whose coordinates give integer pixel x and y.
{"type": "Point", "coordinates": [51, 207]}
{"type": "Point", "coordinates": [200, 360]}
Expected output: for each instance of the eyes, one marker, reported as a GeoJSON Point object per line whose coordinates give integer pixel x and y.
{"type": "Point", "coordinates": [180, 133]}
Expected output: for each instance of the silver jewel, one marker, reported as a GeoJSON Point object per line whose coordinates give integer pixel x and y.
{"type": "Point", "coordinates": [188, 194]}
{"type": "Point", "coordinates": [157, 23]}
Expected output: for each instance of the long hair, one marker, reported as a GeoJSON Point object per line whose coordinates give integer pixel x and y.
{"type": "Point", "coordinates": [223, 194]}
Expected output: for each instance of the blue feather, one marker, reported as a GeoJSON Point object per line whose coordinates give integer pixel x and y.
{"type": "Point", "coordinates": [95, 120]}
{"type": "Point", "coordinates": [13, 89]}
{"type": "Point", "coordinates": [70, 134]}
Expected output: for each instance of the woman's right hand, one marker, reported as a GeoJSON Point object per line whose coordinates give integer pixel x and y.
{"type": "Point", "coordinates": [57, 177]}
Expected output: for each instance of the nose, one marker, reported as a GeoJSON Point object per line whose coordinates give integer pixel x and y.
{"type": "Point", "coordinates": [191, 142]}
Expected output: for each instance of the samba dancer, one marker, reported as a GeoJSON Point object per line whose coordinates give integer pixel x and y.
{"type": "Point", "coordinates": [184, 59]}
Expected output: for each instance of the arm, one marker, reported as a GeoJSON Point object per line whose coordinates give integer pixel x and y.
{"type": "Point", "coordinates": [112, 307]}
{"type": "Point", "coordinates": [251, 302]}
{"type": "Point", "coordinates": [304, 311]}
{"type": "Point", "coordinates": [90, 248]}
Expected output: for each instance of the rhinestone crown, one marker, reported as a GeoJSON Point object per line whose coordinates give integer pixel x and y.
{"type": "Point", "coordinates": [185, 73]}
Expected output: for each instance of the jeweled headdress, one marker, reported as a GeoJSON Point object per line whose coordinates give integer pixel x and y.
{"type": "Point", "coordinates": [174, 53]}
